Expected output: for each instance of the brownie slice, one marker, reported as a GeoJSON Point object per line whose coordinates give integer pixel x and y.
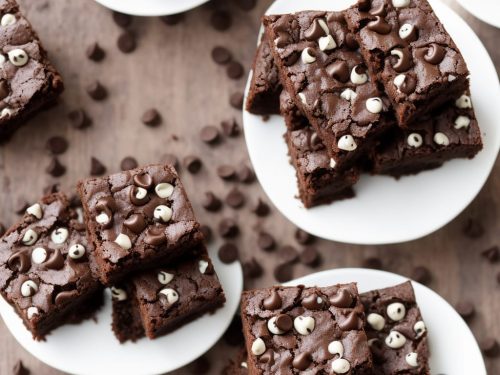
{"type": "Point", "coordinates": [320, 67]}
{"type": "Point", "coordinates": [29, 82]}
{"type": "Point", "coordinates": [44, 269]}
{"type": "Point", "coordinates": [237, 366]}
{"type": "Point", "coordinates": [414, 57]}
{"type": "Point", "coordinates": [316, 330]}
{"type": "Point", "coordinates": [136, 219]}
{"type": "Point", "coordinates": [450, 133]}
{"type": "Point", "coordinates": [159, 301]}
{"type": "Point", "coordinates": [396, 331]}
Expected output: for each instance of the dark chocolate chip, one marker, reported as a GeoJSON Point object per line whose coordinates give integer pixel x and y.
{"type": "Point", "coordinates": [236, 100]}
{"type": "Point", "coordinates": [265, 241]}
{"type": "Point", "coordinates": [65, 296]}
{"type": "Point", "coordinates": [235, 198]}
{"type": "Point", "coordinates": [401, 63]}
{"type": "Point", "coordinates": [498, 278]}
{"type": "Point", "coordinates": [272, 302]}
{"type": "Point", "coordinates": [57, 145]}
{"type": "Point", "coordinates": [55, 168]}
{"type": "Point", "coordinates": [234, 334]}
{"type": "Point", "coordinates": [252, 269]}
{"type": "Point", "coordinates": [228, 253]}
{"type": "Point", "coordinates": [95, 52]}
{"type": "Point", "coordinates": [315, 31]}
{"type": "Point", "coordinates": [97, 91]}
{"type": "Point", "coordinates": [96, 167]}
{"type": "Point", "coordinates": [228, 228]}
{"type": "Point", "coordinates": [210, 134]}
{"type": "Point", "coordinates": [288, 254]}
{"type": "Point", "coordinates": [246, 5]}
{"type": "Point", "coordinates": [313, 302]}
{"type": "Point", "coordinates": [126, 42]}
{"type": "Point", "coordinates": [267, 358]}
{"type": "Point", "coordinates": [136, 223]}
{"type": "Point", "coordinates": [143, 180]}
{"type": "Point", "coordinates": [342, 298]}
{"type": "Point", "coordinates": [221, 20]}
{"type": "Point", "coordinates": [351, 42]}
{"type": "Point", "coordinates": [409, 84]}
{"type": "Point", "coordinates": [20, 369]}
{"type": "Point", "coordinates": [172, 19]}
{"type": "Point", "coordinates": [235, 70]}
{"type": "Point", "coordinates": [373, 263]}
{"type": "Point", "coordinates": [230, 128]}
{"type": "Point", "coordinates": [378, 11]}
{"type": "Point", "coordinates": [492, 254]}
{"type": "Point", "coordinates": [171, 159]}
{"type": "Point", "coordinates": [473, 229]}
{"type": "Point", "coordinates": [245, 174]}
{"type": "Point", "coordinates": [302, 361]}
{"type": "Point", "coordinates": [489, 346]}
{"type": "Point", "coordinates": [221, 55]}
{"type": "Point", "coordinates": [465, 309]}
{"type": "Point", "coordinates": [435, 54]}
{"type": "Point", "coordinates": [2, 229]}
{"type": "Point", "coordinates": [121, 19]}
{"type": "Point", "coordinates": [351, 322]}
{"type": "Point", "coordinates": [207, 232]}
{"type": "Point", "coordinates": [303, 237]}
{"type": "Point", "coordinates": [422, 275]}
{"type": "Point", "coordinates": [211, 202]}
{"type": "Point", "coordinates": [19, 262]}
{"type": "Point", "coordinates": [20, 206]}
{"type": "Point", "coordinates": [310, 256]}
{"type": "Point", "coordinates": [226, 172]}
{"type": "Point", "coordinates": [284, 322]}
{"type": "Point", "coordinates": [380, 26]}
{"type": "Point", "coordinates": [155, 236]}
{"type": "Point", "coordinates": [364, 5]}
{"type": "Point", "coordinates": [151, 117]}
{"type": "Point", "coordinates": [192, 163]}
{"type": "Point", "coordinates": [79, 119]}
{"type": "Point", "coordinates": [128, 163]}
{"type": "Point", "coordinates": [55, 261]}
{"type": "Point", "coordinates": [260, 208]}
{"type": "Point", "coordinates": [339, 71]}
{"type": "Point", "coordinates": [283, 272]}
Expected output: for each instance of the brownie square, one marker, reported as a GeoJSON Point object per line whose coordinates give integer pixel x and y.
{"type": "Point", "coordinates": [158, 301]}
{"type": "Point", "coordinates": [316, 330]}
{"type": "Point", "coordinates": [320, 67]}
{"type": "Point", "coordinates": [450, 133]}
{"type": "Point", "coordinates": [136, 219]}
{"type": "Point", "coordinates": [29, 81]}
{"type": "Point", "coordinates": [414, 57]}
{"type": "Point", "coordinates": [238, 365]}
{"type": "Point", "coordinates": [396, 331]}
{"type": "Point", "coordinates": [44, 269]}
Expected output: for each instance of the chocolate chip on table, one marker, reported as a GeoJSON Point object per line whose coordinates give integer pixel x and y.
{"type": "Point", "coordinates": [126, 42]}
{"type": "Point", "coordinates": [96, 167]}
{"type": "Point", "coordinates": [498, 278]}
{"type": "Point", "coordinates": [97, 91]}
{"type": "Point", "coordinates": [56, 145]}
{"type": "Point", "coordinates": [128, 163]}
{"type": "Point", "coordinates": [421, 274]}
{"type": "Point", "coordinates": [283, 272]}
{"type": "Point", "coordinates": [230, 128]}
{"type": "Point", "coordinates": [221, 55]}
{"type": "Point", "coordinates": [492, 254]}
{"type": "Point", "coordinates": [226, 172]}
{"type": "Point", "coordinates": [288, 254]}
{"type": "Point", "coordinates": [210, 134]}
{"type": "Point", "coordinates": [172, 19]}
{"type": "Point", "coordinates": [20, 369]}
{"type": "Point", "coordinates": [2, 229]}
{"type": "Point", "coordinates": [207, 232]}
{"type": "Point", "coordinates": [221, 20]}
{"type": "Point", "coordinates": [265, 241]}
{"type": "Point", "coordinates": [200, 365]}
{"type": "Point", "coordinates": [94, 52]}
{"type": "Point", "coordinates": [79, 119]}
{"type": "Point", "coordinates": [235, 70]}
{"type": "Point", "coordinates": [151, 117]}
{"type": "Point", "coordinates": [228, 253]}
{"type": "Point", "coordinates": [260, 208]}
{"type": "Point", "coordinates": [235, 198]}
{"type": "Point", "coordinates": [211, 202]}
{"type": "Point", "coordinates": [373, 263]}
{"type": "Point", "coordinates": [171, 159]}
{"type": "Point", "coordinates": [121, 19]}
{"type": "Point", "coordinates": [55, 168]}
{"type": "Point", "coordinates": [236, 100]}
{"type": "Point", "coordinates": [234, 333]}
{"type": "Point", "coordinates": [465, 309]}
{"type": "Point", "coordinates": [310, 256]}
{"type": "Point", "coordinates": [489, 346]}
{"type": "Point", "coordinates": [245, 174]}
{"type": "Point", "coordinates": [21, 205]}
{"type": "Point", "coordinates": [228, 228]}
{"type": "Point", "coordinates": [303, 237]}
{"type": "Point", "coordinates": [473, 228]}
{"type": "Point", "coordinates": [252, 269]}
{"type": "Point", "coordinates": [192, 163]}
{"type": "Point", "coordinates": [246, 5]}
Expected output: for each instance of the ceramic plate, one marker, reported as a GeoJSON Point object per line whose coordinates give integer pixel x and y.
{"type": "Point", "coordinates": [385, 210]}
{"type": "Point", "coordinates": [448, 334]}
{"type": "Point", "coordinates": [91, 348]}
{"type": "Point", "coordinates": [486, 10]}
{"type": "Point", "coordinates": [151, 7]}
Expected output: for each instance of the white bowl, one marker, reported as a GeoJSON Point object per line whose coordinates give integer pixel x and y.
{"type": "Point", "coordinates": [151, 7]}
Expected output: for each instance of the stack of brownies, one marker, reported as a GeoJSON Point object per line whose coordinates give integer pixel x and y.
{"type": "Point", "coordinates": [142, 240]}
{"type": "Point", "coordinates": [380, 87]}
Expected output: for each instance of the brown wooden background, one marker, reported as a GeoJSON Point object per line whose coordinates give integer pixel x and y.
{"type": "Point", "coordinates": [172, 71]}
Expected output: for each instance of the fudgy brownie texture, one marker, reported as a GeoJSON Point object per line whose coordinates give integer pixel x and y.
{"type": "Point", "coordinates": [317, 330]}
{"type": "Point", "coordinates": [28, 80]}
{"type": "Point", "coordinates": [44, 269]}
{"type": "Point", "coordinates": [158, 301]}
{"type": "Point", "coordinates": [320, 67]}
{"type": "Point", "coordinates": [136, 219]}
{"type": "Point", "coordinates": [237, 366]}
{"type": "Point", "coordinates": [396, 331]}
{"type": "Point", "coordinates": [263, 94]}
{"type": "Point", "coordinates": [407, 47]}
{"type": "Point", "coordinates": [450, 133]}
{"type": "Point", "coordinates": [294, 119]}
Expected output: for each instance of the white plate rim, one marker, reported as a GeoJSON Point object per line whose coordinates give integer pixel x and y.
{"type": "Point", "coordinates": [483, 11]}
{"type": "Point", "coordinates": [151, 8]}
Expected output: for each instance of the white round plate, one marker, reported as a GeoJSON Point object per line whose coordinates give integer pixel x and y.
{"type": "Point", "coordinates": [151, 7]}
{"type": "Point", "coordinates": [447, 332]}
{"type": "Point", "coordinates": [384, 210]}
{"type": "Point", "coordinates": [486, 10]}
{"type": "Point", "coordinates": [91, 348]}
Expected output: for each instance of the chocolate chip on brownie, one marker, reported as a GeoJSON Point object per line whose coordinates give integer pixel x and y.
{"type": "Point", "coordinates": [95, 52]}
{"type": "Point", "coordinates": [96, 167]}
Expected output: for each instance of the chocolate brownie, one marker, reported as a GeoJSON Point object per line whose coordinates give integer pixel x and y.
{"type": "Point", "coordinates": [237, 366]}
{"type": "Point", "coordinates": [29, 81]}
{"type": "Point", "coordinates": [158, 301]}
{"type": "Point", "coordinates": [44, 269]}
{"type": "Point", "coordinates": [414, 57]}
{"type": "Point", "coordinates": [293, 329]}
{"type": "Point", "coordinates": [263, 94]}
{"type": "Point", "coordinates": [294, 119]}
{"type": "Point", "coordinates": [136, 219]}
{"type": "Point", "coordinates": [320, 67]}
{"type": "Point", "coordinates": [396, 331]}
{"type": "Point", "coordinates": [450, 133]}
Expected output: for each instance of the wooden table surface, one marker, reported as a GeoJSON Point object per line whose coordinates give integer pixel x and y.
{"type": "Point", "coordinates": [172, 70]}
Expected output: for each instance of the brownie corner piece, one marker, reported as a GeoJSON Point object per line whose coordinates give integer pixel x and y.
{"type": "Point", "coordinates": [137, 218]}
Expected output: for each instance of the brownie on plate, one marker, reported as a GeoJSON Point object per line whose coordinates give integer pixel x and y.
{"type": "Point", "coordinates": [29, 81]}
{"type": "Point", "coordinates": [44, 268]}
{"type": "Point", "coordinates": [161, 300]}
{"type": "Point", "coordinates": [396, 331]}
{"type": "Point", "coordinates": [407, 47]}
{"type": "Point", "coordinates": [316, 330]}
{"type": "Point", "coordinates": [237, 366]}
{"type": "Point", "coordinates": [136, 219]}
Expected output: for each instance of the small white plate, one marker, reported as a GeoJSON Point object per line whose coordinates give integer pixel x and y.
{"type": "Point", "coordinates": [486, 10]}
{"type": "Point", "coordinates": [447, 332]}
{"type": "Point", "coordinates": [151, 8]}
{"type": "Point", "coordinates": [385, 210]}
{"type": "Point", "coordinates": [91, 348]}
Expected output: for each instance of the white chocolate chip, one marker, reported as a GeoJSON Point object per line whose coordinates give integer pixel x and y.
{"type": "Point", "coordinates": [374, 105]}
{"type": "Point", "coordinates": [141, 193]}
{"type": "Point", "coordinates": [59, 235]}
{"type": "Point", "coordinates": [341, 366]}
{"type": "Point", "coordinates": [376, 321]}
{"type": "Point", "coordinates": [18, 57]}
{"type": "Point", "coordinates": [463, 102]}
{"type": "Point", "coordinates": [326, 43]}
{"type": "Point", "coordinates": [400, 3]}
{"type": "Point", "coordinates": [441, 139]}
{"type": "Point", "coordinates": [304, 324]}
{"type": "Point", "coordinates": [123, 241]}
{"type": "Point", "coordinates": [165, 277]}
{"type": "Point", "coordinates": [5, 112]}
{"type": "Point", "coordinates": [397, 52]}
{"type": "Point", "coordinates": [451, 78]}
{"type": "Point", "coordinates": [258, 346]}
{"type": "Point", "coordinates": [412, 359]}
{"type": "Point", "coordinates": [202, 266]}
{"type": "Point", "coordinates": [273, 328]}
{"type": "Point", "coordinates": [118, 294]}
{"type": "Point", "coordinates": [29, 288]}
{"type": "Point", "coordinates": [462, 122]}
{"type": "Point", "coordinates": [171, 295]}
{"type": "Point", "coordinates": [358, 79]}
{"type": "Point", "coordinates": [244, 365]}
{"type": "Point", "coordinates": [30, 237]}
{"type": "Point", "coordinates": [324, 26]}
{"type": "Point", "coordinates": [419, 328]}
{"type": "Point", "coordinates": [164, 190]}
{"type": "Point", "coordinates": [399, 80]}
{"type": "Point", "coordinates": [163, 213]}
{"type": "Point", "coordinates": [333, 163]}
{"type": "Point", "coordinates": [415, 140]}
{"type": "Point", "coordinates": [39, 255]}
{"type": "Point", "coordinates": [348, 94]}
{"type": "Point", "coordinates": [307, 58]}
{"type": "Point", "coordinates": [372, 341]}
{"type": "Point", "coordinates": [79, 213]}
{"type": "Point", "coordinates": [336, 347]}
{"type": "Point", "coordinates": [2, 59]}
{"type": "Point", "coordinates": [76, 251]}
{"type": "Point", "coordinates": [8, 19]}
{"type": "Point", "coordinates": [396, 311]}
{"type": "Point", "coordinates": [102, 218]}
{"type": "Point", "coordinates": [302, 97]}
{"type": "Point", "coordinates": [31, 312]}
{"type": "Point", "coordinates": [35, 210]}
{"type": "Point", "coordinates": [405, 30]}
{"type": "Point", "coordinates": [347, 143]}
{"type": "Point", "coordinates": [395, 340]}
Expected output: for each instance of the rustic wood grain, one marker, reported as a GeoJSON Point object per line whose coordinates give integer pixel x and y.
{"type": "Point", "coordinates": [172, 71]}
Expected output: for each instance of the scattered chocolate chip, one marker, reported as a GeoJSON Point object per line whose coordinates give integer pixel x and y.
{"type": "Point", "coordinates": [171, 159]}
{"type": "Point", "coordinates": [221, 55]}
{"type": "Point", "coordinates": [221, 20]}
{"type": "Point", "coordinates": [211, 202]}
{"type": "Point", "coordinates": [310, 256]}
{"type": "Point", "coordinates": [492, 254]}
{"type": "Point", "coordinates": [373, 263]}
{"type": "Point", "coordinates": [20, 369]}
{"type": "Point", "coordinates": [283, 272]}
{"type": "Point", "coordinates": [207, 232]}
{"type": "Point", "coordinates": [126, 42]}
{"type": "Point", "coordinates": [2, 229]}
{"type": "Point", "coordinates": [128, 163]}
{"type": "Point", "coordinates": [228, 228]}
{"type": "Point", "coordinates": [252, 269]}
{"type": "Point", "coordinates": [473, 229]}
{"type": "Point", "coordinates": [172, 19]}
{"type": "Point", "coordinates": [151, 117]}
{"type": "Point", "coordinates": [236, 100]}
{"type": "Point", "coordinates": [121, 19]}
{"type": "Point", "coordinates": [235, 198]}
{"type": "Point", "coordinates": [226, 172]}
{"type": "Point", "coordinates": [246, 5]}
{"type": "Point", "coordinates": [235, 70]}
{"type": "Point", "coordinates": [465, 309]}
{"type": "Point", "coordinates": [234, 333]}
{"type": "Point", "coordinates": [230, 128]}
{"type": "Point", "coordinates": [288, 254]}
{"type": "Point", "coordinates": [192, 164]}
{"type": "Point", "coordinates": [96, 167]}
{"type": "Point", "coordinates": [55, 168]}
{"type": "Point", "coordinates": [57, 145]}
{"type": "Point", "coordinates": [228, 253]}
{"type": "Point", "coordinates": [489, 346]}
{"type": "Point", "coordinates": [95, 52]}
{"type": "Point", "coordinates": [20, 206]}
{"type": "Point", "coordinates": [260, 208]}
{"type": "Point", "coordinates": [245, 174]}
{"type": "Point", "coordinates": [51, 189]}
{"type": "Point", "coordinates": [79, 119]}
{"type": "Point", "coordinates": [265, 241]}
{"type": "Point", "coordinates": [97, 91]}
{"type": "Point", "coordinates": [303, 237]}
{"type": "Point", "coordinates": [498, 278]}
{"type": "Point", "coordinates": [421, 274]}
{"type": "Point", "coordinates": [200, 365]}
{"type": "Point", "coordinates": [75, 200]}
{"type": "Point", "coordinates": [209, 134]}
